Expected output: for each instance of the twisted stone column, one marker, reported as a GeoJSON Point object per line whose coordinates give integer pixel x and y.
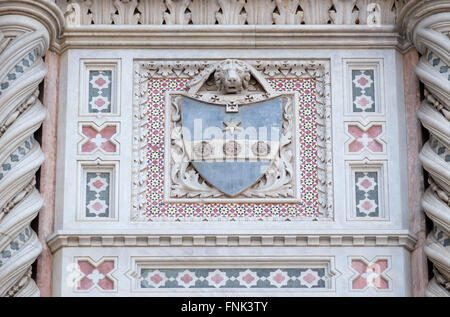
{"type": "Point", "coordinates": [431, 38]}
{"type": "Point", "coordinates": [26, 31]}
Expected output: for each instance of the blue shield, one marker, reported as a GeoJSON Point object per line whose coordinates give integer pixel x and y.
{"type": "Point", "coordinates": [231, 151]}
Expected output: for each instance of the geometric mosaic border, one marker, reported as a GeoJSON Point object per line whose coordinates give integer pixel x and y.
{"type": "Point", "coordinates": [234, 278]}
{"type": "Point", "coordinates": [156, 274]}
{"type": "Point", "coordinates": [159, 208]}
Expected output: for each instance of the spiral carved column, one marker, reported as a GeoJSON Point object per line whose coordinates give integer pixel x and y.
{"type": "Point", "coordinates": [24, 40]}
{"type": "Point", "coordinates": [431, 38]}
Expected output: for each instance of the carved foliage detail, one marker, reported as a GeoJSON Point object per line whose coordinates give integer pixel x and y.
{"type": "Point", "coordinates": [289, 12]}
{"type": "Point", "coordinates": [259, 11]}
{"type": "Point", "coordinates": [344, 12]}
{"type": "Point", "coordinates": [204, 11]}
{"type": "Point", "coordinates": [177, 12]}
{"type": "Point", "coordinates": [317, 12]}
{"type": "Point", "coordinates": [152, 11]}
{"type": "Point", "coordinates": [230, 12]}
{"type": "Point", "coordinates": [125, 12]}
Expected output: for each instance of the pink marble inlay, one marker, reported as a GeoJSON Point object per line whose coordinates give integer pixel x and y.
{"type": "Point", "coordinates": [364, 102]}
{"type": "Point", "coordinates": [359, 266]}
{"type": "Point", "coordinates": [279, 278]}
{"type": "Point", "coordinates": [359, 283]}
{"type": "Point", "coordinates": [248, 278]}
{"type": "Point", "coordinates": [186, 278]}
{"type": "Point", "coordinates": [366, 183]}
{"type": "Point", "coordinates": [100, 102]}
{"type": "Point", "coordinates": [370, 274]}
{"type": "Point", "coordinates": [99, 139]}
{"type": "Point", "coordinates": [362, 81]}
{"type": "Point", "coordinates": [97, 206]}
{"type": "Point", "coordinates": [100, 81]}
{"type": "Point", "coordinates": [365, 138]}
{"type": "Point", "coordinates": [156, 278]}
{"type": "Point", "coordinates": [217, 278]}
{"type": "Point", "coordinates": [98, 184]}
{"type": "Point", "coordinates": [95, 275]}
{"type": "Point", "coordinates": [367, 205]}
{"type": "Point", "coordinates": [106, 284]}
{"type": "Point", "coordinates": [309, 278]}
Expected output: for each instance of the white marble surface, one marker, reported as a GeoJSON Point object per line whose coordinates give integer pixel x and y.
{"type": "Point", "coordinates": [394, 224]}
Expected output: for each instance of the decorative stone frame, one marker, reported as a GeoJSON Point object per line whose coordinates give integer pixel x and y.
{"type": "Point", "coordinates": [97, 166]}
{"type": "Point", "coordinates": [87, 65]}
{"type": "Point", "coordinates": [384, 274]}
{"type": "Point", "coordinates": [383, 191]}
{"type": "Point", "coordinates": [375, 64]}
{"type": "Point", "coordinates": [241, 198]}
{"type": "Point", "coordinates": [95, 264]}
{"type": "Point", "coordinates": [365, 152]}
{"type": "Point", "coordinates": [320, 70]}
{"type": "Point", "coordinates": [98, 151]}
{"type": "Point", "coordinates": [200, 262]}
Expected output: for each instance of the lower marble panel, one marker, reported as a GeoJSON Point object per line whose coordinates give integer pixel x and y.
{"type": "Point", "coordinates": [231, 271]}
{"type": "Point", "coordinates": [233, 278]}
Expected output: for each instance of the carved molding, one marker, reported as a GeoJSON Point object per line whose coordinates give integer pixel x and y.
{"type": "Point", "coordinates": [334, 23]}
{"type": "Point", "coordinates": [75, 240]}
{"type": "Point", "coordinates": [319, 70]}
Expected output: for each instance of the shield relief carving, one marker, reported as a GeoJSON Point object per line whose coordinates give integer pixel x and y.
{"type": "Point", "coordinates": [231, 138]}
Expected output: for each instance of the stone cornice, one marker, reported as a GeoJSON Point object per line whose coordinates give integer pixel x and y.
{"type": "Point", "coordinates": [307, 239]}
{"type": "Point", "coordinates": [346, 30]}
{"type": "Point", "coordinates": [230, 36]}
{"type": "Point", "coordinates": [44, 11]}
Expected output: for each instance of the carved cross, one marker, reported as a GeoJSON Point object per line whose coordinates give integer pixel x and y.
{"type": "Point", "coordinates": [232, 107]}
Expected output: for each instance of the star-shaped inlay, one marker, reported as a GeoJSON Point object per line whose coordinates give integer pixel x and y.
{"type": "Point", "coordinates": [232, 126]}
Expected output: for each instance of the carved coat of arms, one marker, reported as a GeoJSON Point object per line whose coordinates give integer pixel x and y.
{"type": "Point", "coordinates": [232, 137]}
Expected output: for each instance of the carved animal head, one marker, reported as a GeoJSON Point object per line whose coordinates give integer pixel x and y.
{"type": "Point", "coordinates": [232, 77]}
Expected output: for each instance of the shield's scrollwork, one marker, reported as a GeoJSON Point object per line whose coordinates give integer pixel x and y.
{"type": "Point", "coordinates": [234, 141]}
